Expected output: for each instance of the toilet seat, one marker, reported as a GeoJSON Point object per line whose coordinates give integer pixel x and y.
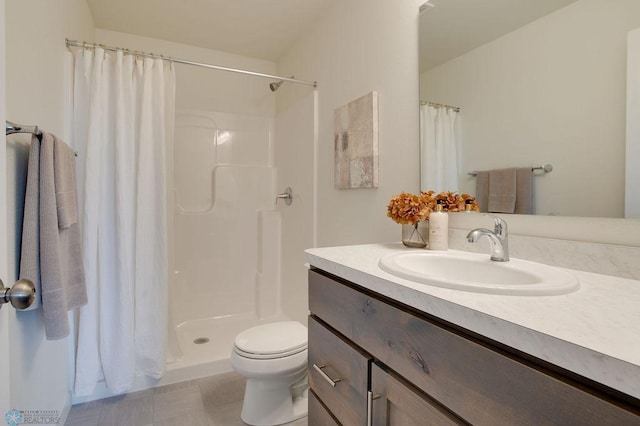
{"type": "Point", "coordinates": [271, 341]}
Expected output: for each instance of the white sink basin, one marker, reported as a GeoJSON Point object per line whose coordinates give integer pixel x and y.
{"type": "Point", "coordinates": [477, 273]}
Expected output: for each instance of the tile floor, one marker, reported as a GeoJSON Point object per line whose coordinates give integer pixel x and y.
{"type": "Point", "coordinates": [210, 401]}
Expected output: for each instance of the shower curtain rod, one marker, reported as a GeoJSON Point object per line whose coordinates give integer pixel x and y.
{"type": "Point", "coordinates": [437, 105]}
{"type": "Point", "coordinates": [85, 45]}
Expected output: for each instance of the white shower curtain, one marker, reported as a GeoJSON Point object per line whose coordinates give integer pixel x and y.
{"type": "Point", "coordinates": [124, 112]}
{"type": "Point", "coordinates": [439, 148]}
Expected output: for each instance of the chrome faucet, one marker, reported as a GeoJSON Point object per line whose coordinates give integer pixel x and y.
{"type": "Point", "coordinates": [498, 239]}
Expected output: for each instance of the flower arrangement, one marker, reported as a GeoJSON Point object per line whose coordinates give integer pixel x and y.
{"type": "Point", "coordinates": [409, 209]}
{"type": "Point", "coordinates": [453, 202]}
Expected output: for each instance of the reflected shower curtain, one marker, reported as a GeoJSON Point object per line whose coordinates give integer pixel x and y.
{"type": "Point", "coordinates": [123, 122]}
{"type": "Point", "coordinates": [439, 148]}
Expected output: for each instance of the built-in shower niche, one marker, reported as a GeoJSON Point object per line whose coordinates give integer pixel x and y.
{"type": "Point", "coordinates": [226, 231]}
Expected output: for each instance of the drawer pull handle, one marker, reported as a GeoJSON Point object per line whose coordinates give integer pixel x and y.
{"type": "Point", "coordinates": [319, 369]}
{"type": "Point", "coordinates": [370, 398]}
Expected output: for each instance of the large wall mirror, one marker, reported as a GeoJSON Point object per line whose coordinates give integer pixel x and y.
{"type": "Point", "coordinates": [536, 82]}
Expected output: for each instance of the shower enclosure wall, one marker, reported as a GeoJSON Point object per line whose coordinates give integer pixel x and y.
{"type": "Point", "coordinates": [226, 234]}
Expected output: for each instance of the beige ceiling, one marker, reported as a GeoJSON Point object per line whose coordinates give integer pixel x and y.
{"type": "Point", "coordinates": [256, 28]}
{"type": "Point", "coordinates": [265, 29]}
{"type": "Point", "coordinates": [453, 27]}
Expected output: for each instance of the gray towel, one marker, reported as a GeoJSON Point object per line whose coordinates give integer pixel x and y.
{"type": "Point", "coordinates": [521, 191]}
{"type": "Point", "coordinates": [482, 191]}
{"type": "Point", "coordinates": [30, 249]}
{"type": "Point", "coordinates": [51, 244]}
{"type": "Point", "coordinates": [524, 191]}
{"type": "Point", "coordinates": [65, 184]}
{"type": "Point", "coordinates": [502, 191]}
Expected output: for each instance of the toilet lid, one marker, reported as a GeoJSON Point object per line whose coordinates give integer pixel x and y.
{"type": "Point", "coordinates": [273, 338]}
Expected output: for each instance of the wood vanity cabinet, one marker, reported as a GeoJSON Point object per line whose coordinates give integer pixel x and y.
{"type": "Point", "coordinates": [375, 361]}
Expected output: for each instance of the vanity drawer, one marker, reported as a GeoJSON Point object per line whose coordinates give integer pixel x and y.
{"type": "Point", "coordinates": [482, 385]}
{"type": "Point", "coordinates": [318, 415]}
{"type": "Point", "coordinates": [331, 358]}
{"type": "Point", "coordinates": [398, 403]}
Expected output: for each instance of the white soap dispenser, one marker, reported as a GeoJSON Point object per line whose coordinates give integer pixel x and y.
{"type": "Point", "coordinates": [439, 229]}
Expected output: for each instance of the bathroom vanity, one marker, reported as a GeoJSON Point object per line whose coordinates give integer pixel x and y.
{"type": "Point", "coordinates": [385, 350]}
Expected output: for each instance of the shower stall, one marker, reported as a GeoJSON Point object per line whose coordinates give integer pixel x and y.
{"type": "Point", "coordinates": [236, 252]}
{"type": "Point", "coordinates": [226, 235]}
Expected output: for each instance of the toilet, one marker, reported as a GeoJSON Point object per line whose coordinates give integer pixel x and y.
{"type": "Point", "coordinates": [273, 359]}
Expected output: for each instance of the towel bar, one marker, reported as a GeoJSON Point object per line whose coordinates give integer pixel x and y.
{"type": "Point", "coordinates": [545, 168]}
{"type": "Point", "coordinates": [12, 128]}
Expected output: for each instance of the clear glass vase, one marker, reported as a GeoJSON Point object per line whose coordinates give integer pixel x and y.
{"type": "Point", "coordinates": [417, 235]}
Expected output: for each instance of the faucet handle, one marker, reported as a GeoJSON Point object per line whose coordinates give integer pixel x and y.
{"type": "Point", "coordinates": [500, 225]}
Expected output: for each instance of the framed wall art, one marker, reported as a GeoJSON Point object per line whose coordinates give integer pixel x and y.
{"type": "Point", "coordinates": [356, 143]}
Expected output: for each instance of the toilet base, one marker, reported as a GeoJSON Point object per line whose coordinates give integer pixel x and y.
{"type": "Point", "coordinates": [270, 403]}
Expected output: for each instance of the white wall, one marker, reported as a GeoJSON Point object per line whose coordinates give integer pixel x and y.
{"type": "Point", "coordinates": [550, 92]}
{"type": "Point", "coordinates": [358, 46]}
{"type": "Point", "coordinates": [36, 94]}
{"type": "Point", "coordinates": [36, 30]}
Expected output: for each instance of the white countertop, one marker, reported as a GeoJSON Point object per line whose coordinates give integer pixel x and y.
{"type": "Point", "coordinates": [594, 331]}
